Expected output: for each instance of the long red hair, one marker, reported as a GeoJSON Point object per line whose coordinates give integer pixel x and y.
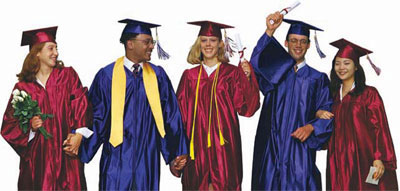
{"type": "Point", "coordinates": [31, 64]}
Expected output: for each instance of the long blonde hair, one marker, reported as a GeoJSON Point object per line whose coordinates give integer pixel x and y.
{"type": "Point", "coordinates": [195, 55]}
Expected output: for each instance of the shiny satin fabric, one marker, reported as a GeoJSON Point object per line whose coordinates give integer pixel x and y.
{"type": "Point", "coordinates": [290, 101]}
{"type": "Point", "coordinates": [44, 165]}
{"type": "Point", "coordinates": [222, 165]}
{"type": "Point", "coordinates": [134, 164]}
{"type": "Point", "coordinates": [361, 135]}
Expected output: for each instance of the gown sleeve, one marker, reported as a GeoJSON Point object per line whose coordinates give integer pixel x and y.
{"type": "Point", "coordinates": [322, 127]}
{"type": "Point", "coordinates": [11, 131]}
{"type": "Point", "coordinates": [182, 96]}
{"type": "Point", "coordinates": [246, 97]}
{"type": "Point", "coordinates": [81, 108]}
{"type": "Point", "coordinates": [376, 114]}
{"type": "Point", "coordinates": [270, 62]}
{"type": "Point", "coordinates": [175, 141]}
{"type": "Point", "coordinates": [99, 96]}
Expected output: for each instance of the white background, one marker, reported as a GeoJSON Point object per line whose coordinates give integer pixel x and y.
{"type": "Point", "coordinates": [88, 39]}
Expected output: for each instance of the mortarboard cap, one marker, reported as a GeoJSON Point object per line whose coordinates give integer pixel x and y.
{"type": "Point", "coordinates": [138, 27]}
{"type": "Point", "coordinates": [352, 51]}
{"type": "Point", "coordinates": [300, 28]}
{"type": "Point", "coordinates": [36, 36]}
{"type": "Point", "coordinates": [348, 49]}
{"type": "Point", "coordinates": [209, 28]}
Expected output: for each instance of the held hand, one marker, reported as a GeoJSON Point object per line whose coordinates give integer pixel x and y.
{"type": "Point", "coordinates": [302, 133]}
{"type": "Point", "coordinates": [380, 169]}
{"type": "Point", "coordinates": [277, 18]}
{"type": "Point", "coordinates": [72, 143]}
{"type": "Point", "coordinates": [246, 68]}
{"type": "Point", "coordinates": [323, 114]}
{"type": "Point", "coordinates": [177, 165]}
{"type": "Point", "coordinates": [36, 122]}
{"type": "Point", "coordinates": [173, 170]}
{"type": "Point", "coordinates": [180, 162]}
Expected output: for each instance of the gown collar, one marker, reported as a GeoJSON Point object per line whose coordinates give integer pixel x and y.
{"type": "Point", "coordinates": [341, 87]}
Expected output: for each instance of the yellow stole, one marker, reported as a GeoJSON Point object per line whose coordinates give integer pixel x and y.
{"type": "Point", "coordinates": [118, 91]}
{"type": "Point", "coordinates": [213, 95]}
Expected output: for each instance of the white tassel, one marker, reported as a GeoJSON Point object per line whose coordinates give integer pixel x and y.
{"type": "Point", "coordinates": [228, 50]}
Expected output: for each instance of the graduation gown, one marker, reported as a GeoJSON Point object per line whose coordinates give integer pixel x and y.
{"type": "Point", "coordinates": [361, 136]}
{"type": "Point", "coordinates": [291, 100]}
{"type": "Point", "coordinates": [43, 163]}
{"type": "Point", "coordinates": [135, 163]}
{"type": "Point", "coordinates": [220, 165]}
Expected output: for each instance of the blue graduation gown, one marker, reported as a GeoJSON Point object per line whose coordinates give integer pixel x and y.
{"type": "Point", "coordinates": [135, 164]}
{"type": "Point", "coordinates": [291, 100]}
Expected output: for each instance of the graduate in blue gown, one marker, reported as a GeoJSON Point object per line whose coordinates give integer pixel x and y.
{"type": "Point", "coordinates": [288, 133]}
{"type": "Point", "coordinates": [133, 162]}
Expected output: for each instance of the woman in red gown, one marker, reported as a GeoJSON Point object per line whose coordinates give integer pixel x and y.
{"type": "Point", "coordinates": [211, 95]}
{"type": "Point", "coordinates": [361, 137]}
{"type": "Point", "coordinates": [57, 89]}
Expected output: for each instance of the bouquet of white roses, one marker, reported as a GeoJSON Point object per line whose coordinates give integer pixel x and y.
{"type": "Point", "coordinates": [25, 108]}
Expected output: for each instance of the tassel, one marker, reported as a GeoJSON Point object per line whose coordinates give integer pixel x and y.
{"type": "Point", "coordinates": [160, 51]}
{"type": "Point", "coordinates": [228, 50]}
{"type": "Point", "coordinates": [377, 70]}
{"type": "Point", "coordinates": [321, 54]}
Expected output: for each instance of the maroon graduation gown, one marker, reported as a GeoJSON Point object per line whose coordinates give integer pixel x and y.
{"type": "Point", "coordinates": [43, 163]}
{"type": "Point", "coordinates": [221, 165]}
{"type": "Point", "coordinates": [361, 135]}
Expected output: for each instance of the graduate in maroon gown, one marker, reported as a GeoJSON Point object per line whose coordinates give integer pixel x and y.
{"type": "Point", "coordinates": [211, 95]}
{"type": "Point", "coordinates": [361, 137]}
{"type": "Point", "coordinates": [57, 89]}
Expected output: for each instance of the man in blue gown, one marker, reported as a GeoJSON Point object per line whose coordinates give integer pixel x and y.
{"type": "Point", "coordinates": [288, 133]}
{"type": "Point", "coordinates": [133, 161]}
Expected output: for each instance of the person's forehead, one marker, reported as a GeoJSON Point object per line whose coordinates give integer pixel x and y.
{"type": "Point", "coordinates": [144, 36]}
{"type": "Point", "coordinates": [298, 36]}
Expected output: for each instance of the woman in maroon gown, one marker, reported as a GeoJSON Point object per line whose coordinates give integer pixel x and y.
{"type": "Point", "coordinates": [361, 137]}
{"type": "Point", "coordinates": [57, 89]}
{"type": "Point", "coordinates": [211, 95]}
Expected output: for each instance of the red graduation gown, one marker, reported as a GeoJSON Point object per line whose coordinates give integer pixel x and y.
{"type": "Point", "coordinates": [43, 163]}
{"type": "Point", "coordinates": [221, 165]}
{"type": "Point", "coordinates": [361, 136]}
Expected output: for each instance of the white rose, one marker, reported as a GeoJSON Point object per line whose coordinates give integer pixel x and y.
{"type": "Point", "coordinates": [13, 101]}
{"type": "Point", "coordinates": [24, 94]}
{"type": "Point", "coordinates": [20, 99]}
{"type": "Point", "coordinates": [16, 92]}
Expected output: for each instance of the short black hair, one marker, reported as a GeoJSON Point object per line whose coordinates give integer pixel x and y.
{"type": "Point", "coordinates": [127, 36]}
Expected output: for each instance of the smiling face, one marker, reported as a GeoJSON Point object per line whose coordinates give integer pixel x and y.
{"type": "Point", "coordinates": [48, 55]}
{"type": "Point", "coordinates": [297, 46]}
{"type": "Point", "coordinates": [345, 68]}
{"type": "Point", "coordinates": [139, 48]}
{"type": "Point", "coordinates": [209, 46]}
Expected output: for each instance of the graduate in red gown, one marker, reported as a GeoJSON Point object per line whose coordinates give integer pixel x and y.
{"type": "Point", "coordinates": [57, 89]}
{"type": "Point", "coordinates": [211, 95]}
{"type": "Point", "coordinates": [361, 137]}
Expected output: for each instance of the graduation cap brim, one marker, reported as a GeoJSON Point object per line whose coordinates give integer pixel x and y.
{"type": "Point", "coordinates": [300, 27]}
{"type": "Point", "coordinates": [138, 27]}
{"type": "Point", "coordinates": [37, 36]}
{"type": "Point", "coordinates": [349, 49]}
{"type": "Point", "coordinates": [210, 28]}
